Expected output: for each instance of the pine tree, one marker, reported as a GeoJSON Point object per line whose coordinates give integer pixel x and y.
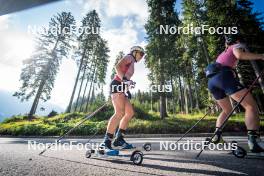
{"type": "Point", "coordinates": [100, 66]}
{"type": "Point", "coordinates": [40, 70]}
{"type": "Point", "coordinates": [159, 45]}
{"type": "Point", "coordinates": [86, 42]}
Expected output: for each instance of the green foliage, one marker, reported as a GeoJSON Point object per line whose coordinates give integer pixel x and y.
{"type": "Point", "coordinates": [161, 50]}
{"type": "Point", "coordinates": [152, 124]}
{"type": "Point", "coordinates": [92, 58]}
{"type": "Point", "coordinates": [15, 119]}
{"type": "Point", "coordinates": [40, 70]}
{"type": "Point", "coordinates": [175, 59]}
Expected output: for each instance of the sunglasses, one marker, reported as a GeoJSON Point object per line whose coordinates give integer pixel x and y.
{"type": "Point", "coordinates": [141, 53]}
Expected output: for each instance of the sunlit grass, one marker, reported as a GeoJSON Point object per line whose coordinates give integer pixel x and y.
{"type": "Point", "coordinates": [58, 124]}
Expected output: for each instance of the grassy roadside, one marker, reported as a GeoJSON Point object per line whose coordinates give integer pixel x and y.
{"type": "Point", "coordinates": [43, 126]}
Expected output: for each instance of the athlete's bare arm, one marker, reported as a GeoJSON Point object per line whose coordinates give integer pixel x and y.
{"type": "Point", "coordinates": [242, 55]}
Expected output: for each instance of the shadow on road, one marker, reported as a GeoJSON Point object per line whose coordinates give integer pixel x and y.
{"type": "Point", "coordinates": [103, 166]}
{"type": "Point", "coordinates": [224, 161]}
{"type": "Point", "coordinates": [161, 167]}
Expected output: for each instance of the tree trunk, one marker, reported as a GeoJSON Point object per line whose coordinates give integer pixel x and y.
{"type": "Point", "coordinates": [186, 100]}
{"type": "Point", "coordinates": [75, 84]}
{"type": "Point", "coordinates": [41, 86]}
{"type": "Point", "coordinates": [181, 102]}
{"type": "Point", "coordinates": [84, 92]}
{"type": "Point", "coordinates": [35, 110]}
{"type": "Point", "coordinates": [177, 95]}
{"type": "Point", "coordinates": [163, 112]}
{"type": "Point", "coordinates": [151, 101]}
{"type": "Point", "coordinates": [35, 102]}
{"type": "Point", "coordinates": [190, 93]}
{"type": "Point", "coordinates": [88, 97]}
{"type": "Point", "coordinates": [173, 96]}
{"type": "Point", "coordinates": [80, 89]}
{"type": "Point", "coordinates": [197, 106]}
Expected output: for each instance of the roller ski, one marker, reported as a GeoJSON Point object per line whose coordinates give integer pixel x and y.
{"type": "Point", "coordinates": [127, 150]}
{"type": "Point", "coordinates": [119, 149]}
{"type": "Point", "coordinates": [255, 147]}
{"type": "Point", "coordinates": [136, 156]}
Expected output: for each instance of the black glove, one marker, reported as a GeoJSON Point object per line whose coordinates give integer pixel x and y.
{"type": "Point", "coordinates": [128, 95]}
{"type": "Point", "coordinates": [125, 78]}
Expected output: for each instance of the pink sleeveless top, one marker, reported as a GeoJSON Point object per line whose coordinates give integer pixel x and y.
{"type": "Point", "coordinates": [227, 58]}
{"type": "Point", "coordinates": [127, 69]}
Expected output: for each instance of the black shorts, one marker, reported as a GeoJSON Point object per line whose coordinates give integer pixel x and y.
{"type": "Point", "coordinates": [119, 87]}
{"type": "Point", "coordinates": [224, 83]}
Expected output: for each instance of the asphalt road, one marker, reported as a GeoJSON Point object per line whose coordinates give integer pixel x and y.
{"type": "Point", "coordinates": [17, 157]}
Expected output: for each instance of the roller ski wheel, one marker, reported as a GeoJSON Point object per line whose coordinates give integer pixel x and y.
{"type": "Point", "coordinates": [88, 153]}
{"type": "Point", "coordinates": [239, 152]}
{"type": "Point", "coordinates": [91, 152]}
{"type": "Point", "coordinates": [147, 146]}
{"type": "Point", "coordinates": [137, 157]}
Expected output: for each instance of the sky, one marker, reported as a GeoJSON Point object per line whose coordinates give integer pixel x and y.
{"type": "Point", "coordinates": [122, 26]}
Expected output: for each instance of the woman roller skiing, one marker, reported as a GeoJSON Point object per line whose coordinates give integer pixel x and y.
{"type": "Point", "coordinates": [120, 96]}
{"type": "Point", "coordinates": [224, 83]}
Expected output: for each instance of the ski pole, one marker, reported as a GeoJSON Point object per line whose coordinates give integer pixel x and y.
{"type": "Point", "coordinates": [229, 115]}
{"type": "Point", "coordinates": [77, 125]}
{"type": "Point", "coordinates": [193, 126]}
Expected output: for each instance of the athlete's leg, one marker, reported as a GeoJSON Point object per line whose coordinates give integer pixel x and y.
{"type": "Point", "coordinates": [252, 120]}
{"type": "Point", "coordinates": [118, 101]}
{"type": "Point", "coordinates": [129, 113]}
{"type": "Point", "coordinates": [226, 109]}
{"type": "Point", "coordinates": [216, 87]}
{"type": "Point", "coordinates": [251, 115]}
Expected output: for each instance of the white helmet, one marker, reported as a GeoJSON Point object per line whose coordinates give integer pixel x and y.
{"type": "Point", "coordinates": [137, 48]}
